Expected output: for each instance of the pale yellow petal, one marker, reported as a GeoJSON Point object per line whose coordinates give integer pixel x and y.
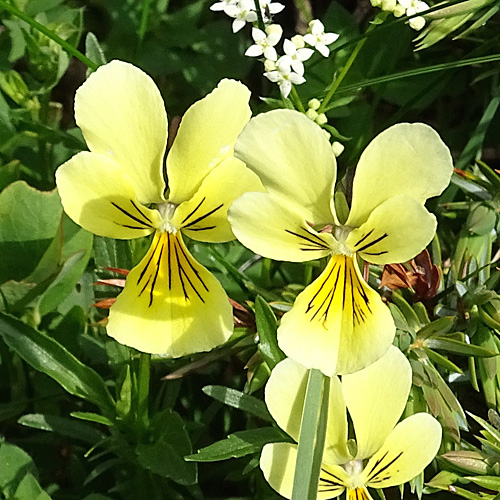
{"type": "Point", "coordinates": [268, 226]}
{"type": "Point", "coordinates": [277, 463]}
{"type": "Point", "coordinates": [204, 216]}
{"type": "Point", "coordinates": [121, 113]}
{"type": "Point", "coordinates": [406, 159]}
{"type": "Point", "coordinates": [333, 480]}
{"type": "Point", "coordinates": [171, 304]}
{"type": "Point", "coordinates": [98, 196]}
{"type": "Point", "coordinates": [338, 324]}
{"type": "Point", "coordinates": [285, 395]}
{"type": "Point", "coordinates": [206, 137]}
{"type": "Point", "coordinates": [396, 231]}
{"type": "Point", "coordinates": [408, 450]}
{"type": "Point", "coordinates": [293, 157]}
{"type": "Point", "coordinates": [376, 397]}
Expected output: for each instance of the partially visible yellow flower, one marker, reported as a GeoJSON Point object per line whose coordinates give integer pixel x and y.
{"type": "Point", "coordinates": [338, 324]}
{"type": "Point", "coordinates": [171, 304]}
{"type": "Point", "coordinates": [388, 453]}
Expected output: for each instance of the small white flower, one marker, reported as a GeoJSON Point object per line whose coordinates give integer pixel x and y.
{"type": "Point", "coordinates": [243, 12]}
{"type": "Point", "coordinates": [318, 39]}
{"type": "Point", "coordinates": [265, 42]}
{"type": "Point", "coordinates": [295, 57]}
{"type": "Point", "coordinates": [417, 23]}
{"type": "Point", "coordinates": [269, 9]}
{"type": "Point", "coordinates": [219, 6]}
{"type": "Point", "coordinates": [284, 77]}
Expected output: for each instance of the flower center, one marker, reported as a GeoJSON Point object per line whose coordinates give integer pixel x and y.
{"type": "Point", "coordinates": [341, 233]}
{"type": "Point", "coordinates": [354, 468]}
{"type": "Point", "coordinates": [166, 211]}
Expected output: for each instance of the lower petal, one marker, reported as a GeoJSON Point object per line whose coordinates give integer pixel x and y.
{"type": "Point", "coordinates": [358, 494]}
{"type": "Point", "coordinates": [171, 305]}
{"type": "Point", "coordinates": [407, 451]}
{"type": "Point", "coordinates": [338, 324]}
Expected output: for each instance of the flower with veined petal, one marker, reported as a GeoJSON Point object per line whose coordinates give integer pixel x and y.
{"type": "Point", "coordinates": [388, 453]}
{"type": "Point", "coordinates": [171, 304]}
{"type": "Point", "coordinates": [338, 324]}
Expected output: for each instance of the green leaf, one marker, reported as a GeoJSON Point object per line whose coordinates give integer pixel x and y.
{"type": "Point", "coordinates": [165, 456]}
{"type": "Point", "coordinates": [93, 50]}
{"type": "Point", "coordinates": [239, 444]}
{"type": "Point", "coordinates": [92, 417]}
{"type": "Point", "coordinates": [238, 399]}
{"type": "Point", "coordinates": [63, 426]}
{"type": "Point", "coordinates": [457, 347]}
{"type": "Point", "coordinates": [48, 356]}
{"type": "Point", "coordinates": [29, 220]}
{"type": "Point", "coordinates": [440, 326]}
{"type": "Point", "coordinates": [441, 360]}
{"type": "Point", "coordinates": [112, 253]}
{"type": "Point", "coordinates": [17, 475]}
{"type": "Point", "coordinates": [266, 328]}
{"type": "Point", "coordinates": [312, 437]}
{"type": "Point", "coordinates": [489, 482]}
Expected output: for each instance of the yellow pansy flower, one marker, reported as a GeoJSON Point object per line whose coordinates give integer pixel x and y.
{"type": "Point", "coordinates": [338, 324]}
{"type": "Point", "coordinates": [171, 304]}
{"type": "Point", "coordinates": [388, 453]}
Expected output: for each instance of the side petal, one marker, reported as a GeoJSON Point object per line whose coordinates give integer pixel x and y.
{"type": "Point", "coordinates": [204, 216]}
{"type": "Point", "coordinates": [376, 397]}
{"type": "Point", "coordinates": [121, 113]}
{"type": "Point", "coordinates": [171, 304]}
{"type": "Point", "coordinates": [98, 196]}
{"type": "Point", "coordinates": [277, 463]}
{"type": "Point", "coordinates": [338, 324]}
{"type": "Point", "coordinates": [268, 226]}
{"type": "Point", "coordinates": [407, 158]}
{"type": "Point", "coordinates": [294, 159]}
{"type": "Point", "coordinates": [396, 231]}
{"type": "Point", "coordinates": [285, 396]}
{"type": "Point", "coordinates": [408, 450]}
{"type": "Point", "coordinates": [206, 137]}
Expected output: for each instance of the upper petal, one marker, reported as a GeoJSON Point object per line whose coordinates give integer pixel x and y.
{"type": "Point", "coordinates": [396, 231]}
{"type": "Point", "coordinates": [406, 159]}
{"type": "Point", "coordinates": [206, 137]}
{"type": "Point", "coordinates": [408, 450]}
{"type": "Point", "coordinates": [293, 157]}
{"type": "Point", "coordinates": [121, 113]}
{"type": "Point", "coordinates": [204, 216]}
{"type": "Point", "coordinates": [98, 195]}
{"type": "Point", "coordinates": [269, 226]}
{"type": "Point", "coordinates": [376, 397]}
{"type": "Point", "coordinates": [171, 304]}
{"type": "Point", "coordinates": [285, 396]}
{"type": "Point", "coordinates": [338, 324]}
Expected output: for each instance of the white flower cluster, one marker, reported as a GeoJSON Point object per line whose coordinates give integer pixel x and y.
{"type": "Point", "coordinates": [243, 11]}
{"type": "Point", "coordinates": [402, 7]}
{"type": "Point", "coordinates": [288, 69]}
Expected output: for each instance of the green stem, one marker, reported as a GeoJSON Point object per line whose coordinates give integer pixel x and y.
{"type": "Point", "coordinates": [260, 19]}
{"type": "Point", "coordinates": [143, 393]}
{"type": "Point", "coordinates": [342, 74]}
{"type": "Point", "coordinates": [50, 34]}
{"type": "Point", "coordinates": [296, 100]}
{"type": "Point", "coordinates": [312, 438]}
